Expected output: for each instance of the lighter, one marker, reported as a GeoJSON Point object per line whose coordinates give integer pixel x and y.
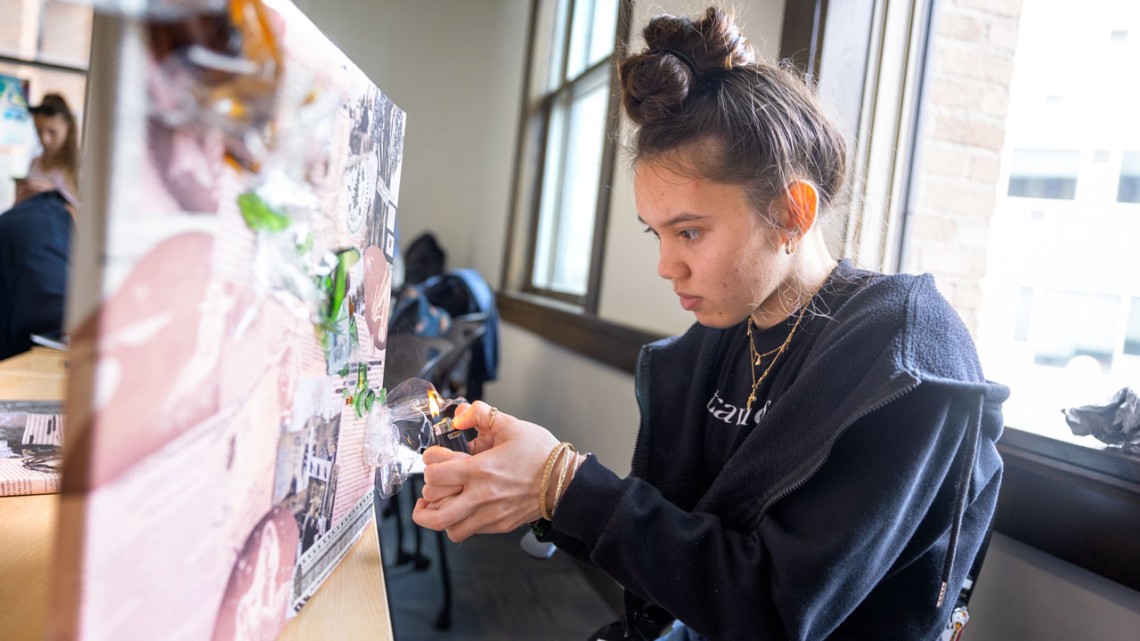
{"type": "Point", "coordinates": [447, 436]}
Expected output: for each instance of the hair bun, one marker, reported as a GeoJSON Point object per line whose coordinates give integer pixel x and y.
{"type": "Point", "coordinates": [680, 54]}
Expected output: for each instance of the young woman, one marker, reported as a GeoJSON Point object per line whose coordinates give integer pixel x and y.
{"type": "Point", "coordinates": [816, 455]}
{"type": "Point", "coordinates": [57, 166]}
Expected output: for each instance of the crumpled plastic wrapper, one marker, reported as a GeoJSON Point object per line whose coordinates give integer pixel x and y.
{"type": "Point", "coordinates": [1115, 421]}
{"type": "Point", "coordinates": [386, 449]}
{"type": "Point", "coordinates": [399, 429]}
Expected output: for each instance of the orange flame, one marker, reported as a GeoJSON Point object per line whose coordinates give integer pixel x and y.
{"type": "Point", "coordinates": [434, 400]}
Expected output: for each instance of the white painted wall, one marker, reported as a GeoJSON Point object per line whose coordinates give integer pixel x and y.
{"type": "Point", "coordinates": [590, 405]}
{"type": "Point", "coordinates": [456, 67]}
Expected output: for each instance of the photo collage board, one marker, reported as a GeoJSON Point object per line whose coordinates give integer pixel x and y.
{"type": "Point", "coordinates": [231, 345]}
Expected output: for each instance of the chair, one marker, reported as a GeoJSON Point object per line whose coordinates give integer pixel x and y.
{"type": "Point", "coordinates": [444, 361]}
{"type": "Point", "coordinates": [960, 615]}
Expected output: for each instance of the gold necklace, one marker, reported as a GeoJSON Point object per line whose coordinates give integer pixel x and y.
{"type": "Point", "coordinates": [756, 357]}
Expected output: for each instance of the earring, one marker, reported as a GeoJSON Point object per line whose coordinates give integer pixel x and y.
{"type": "Point", "coordinates": [790, 247]}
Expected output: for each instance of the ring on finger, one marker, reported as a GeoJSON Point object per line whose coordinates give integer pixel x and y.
{"type": "Point", "coordinates": [494, 413]}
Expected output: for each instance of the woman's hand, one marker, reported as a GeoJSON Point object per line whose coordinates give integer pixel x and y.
{"type": "Point", "coordinates": [493, 490]}
{"type": "Point", "coordinates": [28, 187]}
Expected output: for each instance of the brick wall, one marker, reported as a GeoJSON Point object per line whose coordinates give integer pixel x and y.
{"type": "Point", "coordinates": [959, 147]}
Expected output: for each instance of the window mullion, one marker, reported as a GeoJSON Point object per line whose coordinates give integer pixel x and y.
{"type": "Point", "coordinates": [564, 101]}
{"type": "Point", "coordinates": [609, 155]}
{"type": "Point", "coordinates": [567, 41]}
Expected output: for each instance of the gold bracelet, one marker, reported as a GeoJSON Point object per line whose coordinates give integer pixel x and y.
{"type": "Point", "coordinates": [571, 454]}
{"type": "Point", "coordinates": [550, 460]}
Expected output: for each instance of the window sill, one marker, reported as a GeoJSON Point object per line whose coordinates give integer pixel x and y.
{"type": "Point", "coordinates": [603, 341]}
{"type": "Point", "coordinates": [1074, 498]}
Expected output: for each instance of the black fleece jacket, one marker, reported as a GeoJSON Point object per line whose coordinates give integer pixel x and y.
{"type": "Point", "coordinates": [853, 513]}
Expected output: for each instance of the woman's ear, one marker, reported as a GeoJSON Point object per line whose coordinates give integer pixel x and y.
{"type": "Point", "coordinates": [801, 202]}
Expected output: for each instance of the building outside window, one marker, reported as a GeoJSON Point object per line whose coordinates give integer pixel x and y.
{"type": "Point", "coordinates": [1030, 113]}
{"type": "Point", "coordinates": [1128, 190]}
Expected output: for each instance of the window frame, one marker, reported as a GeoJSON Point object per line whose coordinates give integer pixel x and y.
{"type": "Point", "coordinates": [50, 66]}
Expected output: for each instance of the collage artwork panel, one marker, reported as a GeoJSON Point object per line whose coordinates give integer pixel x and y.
{"type": "Point", "coordinates": [221, 383]}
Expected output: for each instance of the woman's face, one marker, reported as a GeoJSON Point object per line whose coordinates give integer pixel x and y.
{"type": "Point", "coordinates": [723, 260]}
{"type": "Point", "coordinates": [52, 131]}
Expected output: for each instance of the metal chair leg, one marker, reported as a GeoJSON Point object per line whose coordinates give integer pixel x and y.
{"type": "Point", "coordinates": [422, 562]}
{"type": "Point", "coordinates": [402, 556]}
{"type": "Point", "coordinates": [443, 621]}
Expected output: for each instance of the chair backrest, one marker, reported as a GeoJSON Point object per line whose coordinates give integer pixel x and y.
{"type": "Point", "coordinates": [442, 360]}
{"type": "Point", "coordinates": [452, 305]}
{"type": "Point", "coordinates": [408, 356]}
{"type": "Point", "coordinates": [451, 371]}
{"type": "Point", "coordinates": [465, 291]}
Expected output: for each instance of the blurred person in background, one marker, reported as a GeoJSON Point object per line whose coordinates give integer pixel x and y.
{"type": "Point", "coordinates": [57, 167]}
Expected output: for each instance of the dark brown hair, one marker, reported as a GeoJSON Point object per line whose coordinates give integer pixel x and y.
{"type": "Point", "coordinates": [67, 159]}
{"type": "Point", "coordinates": [704, 103]}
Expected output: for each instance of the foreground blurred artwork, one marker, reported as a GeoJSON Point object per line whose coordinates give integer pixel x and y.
{"type": "Point", "coordinates": [228, 321]}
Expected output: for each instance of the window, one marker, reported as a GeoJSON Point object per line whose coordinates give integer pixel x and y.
{"type": "Point", "coordinates": [1132, 330]}
{"type": "Point", "coordinates": [1022, 196]}
{"type": "Point", "coordinates": [1076, 330]}
{"type": "Point", "coordinates": [571, 120]}
{"type": "Point", "coordinates": [44, 48]}
{"type": "Point", "coordinates": [1128, 191]}
{"type": "Point", "coordinates": [1038, 173]}
{"type": "Point", "coordinates": [570, 187]}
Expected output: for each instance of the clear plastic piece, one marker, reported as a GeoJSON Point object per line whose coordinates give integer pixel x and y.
{"type": "Point", "coordinates": [400, 428]}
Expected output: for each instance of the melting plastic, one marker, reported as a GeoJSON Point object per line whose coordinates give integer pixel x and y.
{"type": "Point", "coordinates": [400, 429]}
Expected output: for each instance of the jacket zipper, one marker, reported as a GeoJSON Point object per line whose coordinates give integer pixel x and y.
{"type": "Point", "coordinates": [798, 483]}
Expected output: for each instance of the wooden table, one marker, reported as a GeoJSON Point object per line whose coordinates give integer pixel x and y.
{"type": "Point", "coordinates": [351, 604]}
{"type": "Point", "coordinates": [38, 375]}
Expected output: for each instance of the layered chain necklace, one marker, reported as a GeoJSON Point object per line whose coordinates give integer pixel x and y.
{"type": "Point", "coordinates": [757, 357]}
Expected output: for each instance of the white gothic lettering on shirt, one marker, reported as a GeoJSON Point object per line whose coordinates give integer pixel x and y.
{"type": "Point", "coordinates": [732, 415]}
